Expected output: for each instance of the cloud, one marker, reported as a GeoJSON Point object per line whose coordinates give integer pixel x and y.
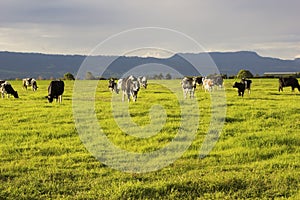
{"type": "Point", "coordinates": [76, 26]}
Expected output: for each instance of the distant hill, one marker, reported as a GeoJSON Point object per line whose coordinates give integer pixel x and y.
{"type": "Point", "coordinates": [19, 65]}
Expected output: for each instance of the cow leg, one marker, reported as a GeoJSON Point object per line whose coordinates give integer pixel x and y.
{"type": "Point", "coordinates": [128, 96]}
{"type": "Point", "coordinates": [123, 96]}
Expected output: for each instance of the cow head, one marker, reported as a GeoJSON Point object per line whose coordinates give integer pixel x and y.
{"type": "Point", "coordinates": [50, 99]}
{"type": "Point", "coordinates": [144, 84]}
{"type": "Point", "coordinates": [235, 85]}
{"type": "Point", "coordinates": [16, 94]}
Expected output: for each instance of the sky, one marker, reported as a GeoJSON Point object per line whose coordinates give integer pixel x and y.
{"type": "Point", "coordinates": [269, 27]}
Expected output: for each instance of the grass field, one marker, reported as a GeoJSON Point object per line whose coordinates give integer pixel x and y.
{"type": "Point", "coordinates": [256, 157]}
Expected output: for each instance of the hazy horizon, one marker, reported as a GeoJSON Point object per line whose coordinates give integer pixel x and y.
{"type": "Point", "coordinates": [74, 27]}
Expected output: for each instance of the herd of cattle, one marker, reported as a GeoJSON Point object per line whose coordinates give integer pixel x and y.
{"type": "Point", "coordinates": [130, 86]}
{"type": "Point", "coordinates": [55, 89]}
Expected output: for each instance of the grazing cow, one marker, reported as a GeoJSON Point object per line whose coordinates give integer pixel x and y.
{"type": "Point", "coordinates": [143, 81]}
{"type": "Point", "coordinates": [286, 82]}
{"type": "Point", "coordinates": [130, 87]}
{"type": "Point", "coordinates": [6, 88]}
{"type": "Point", "coordinates": [55, 91]}
{"type": "Point", "coordinates": [112, 85]}
{"type": "Point", "coordinates": [207, 84]}
{"type": "Point", "coordinates": [27, 82]}
{"type": "Point", "coordinates": [188, 85]}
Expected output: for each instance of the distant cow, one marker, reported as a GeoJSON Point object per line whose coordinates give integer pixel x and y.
{"type": "Point", "coordinates": [130, 86]}
{"type": "Point", "coordinates": [207, 84]}
{"type": "Point", "coordinates": [30, 82]}
{"type": "Point", "coordinates": [6, 88]}
{"type": "Point", "coordinates": [288, 82]}
{"type": "Point", "coordinates": [55, 91]}
{"type": "Point", "coordinates": [242, 86]}
{"type": "Point", "coordinates": [247, 83]}
{"type": "Point", "coordinates": [143, 81]}
{"type": "Point", "coordinates": [218, 81]}
{"type": "Point", "coordinates": [112, 85]}
{"type": "Point", "coordinates": [188, 85]}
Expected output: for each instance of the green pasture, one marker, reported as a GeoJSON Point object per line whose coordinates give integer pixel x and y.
{"type": "Point", "coordinates": [257, 155]}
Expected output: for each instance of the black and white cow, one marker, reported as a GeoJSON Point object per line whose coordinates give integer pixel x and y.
{"type": "Point", "coordinates": [218, 81]}
{"type": "Point", "coordinates": [143, 81]}
{"type": "Point", "coordinates": [188, 86]}
{"type": "Point", "coordinates": [288, 82]}
{"type": "Point", "coordinates": [30, 82]}
{"type": "Point", "coordinates": [247, 83]}
{"type": "Point", "coordinates": [130, 87]}
{"type": "Point", "coordinates": [199, 80]}
{"type": "Point", "coordinates": [6, 88]}
{"type": "Point", "coordinates": [112, 85]}
{"type": "Point", "coordinates": [55, 91]}
{"type": "Point", "coordinates": [242, 86]}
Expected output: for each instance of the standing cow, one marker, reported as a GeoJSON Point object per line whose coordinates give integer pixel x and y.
{"type": "Point", "coordinates": [6, 88]}
{"type": "Point", "coordinates": [188, 86]}
{"type": "Point", "coordinates": [288, 82]}
{"type": "Point", "coordinates": [112, 85]}
{"type": "Point", "coordinates": [218, 81]}
{"type": "Point", "coordinates": [130, 86]}
{"type": "Point", "coordinates": [143, 81]}
{"type": "Point", "coordinates": [207, 84]}
{"type": "Point", "coordinates": [55, 91]}
{"type": "Point", "coordinates": [30, 82]}
{"type": "Point", "coordinates": [242, 86]}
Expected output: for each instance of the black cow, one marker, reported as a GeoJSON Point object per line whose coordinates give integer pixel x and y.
{"type": "Point", "coordinates": [55, 91]}
{"type": "Point", "coordinates": [242, 86]}
{"type": "Point", "coordinates": [6, 88]}
{"type": "Point", "coordinates": [247, 84]}
{"type": "Point", "coordinates": [288, 82]}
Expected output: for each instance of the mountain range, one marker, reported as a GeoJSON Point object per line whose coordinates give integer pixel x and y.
{"type": "Point", "coordinates": [20, 65]}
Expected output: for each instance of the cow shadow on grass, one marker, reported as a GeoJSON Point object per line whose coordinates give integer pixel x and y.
{"type": "Point", "coordinates": [285, 93]}
{"type": "Point", "coordinates": [233, 120]}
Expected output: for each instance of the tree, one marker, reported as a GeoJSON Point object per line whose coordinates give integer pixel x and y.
{"type": "Point", "coordinates": [69, 76]}
{"type": "Point", "coordinates": [160, 76]}
{"type": "Point", "coordinates": [244, 74]}
{"type": "Point", "coordinates": [89, 76]}
{"type": "Point", "coordinates": [168, 76]}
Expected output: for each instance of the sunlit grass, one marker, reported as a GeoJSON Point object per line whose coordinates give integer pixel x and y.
{"type": "Point", "coordinates": [256, 156]}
